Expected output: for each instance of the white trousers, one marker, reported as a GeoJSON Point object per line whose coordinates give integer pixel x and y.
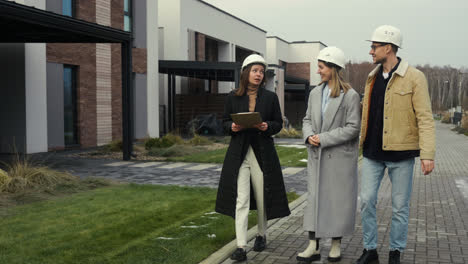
{"type": "Point", "coordinates": [249, 172]}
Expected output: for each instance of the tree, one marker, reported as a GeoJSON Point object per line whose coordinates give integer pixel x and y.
{"type": "Point", "coordinates": [448, 86]}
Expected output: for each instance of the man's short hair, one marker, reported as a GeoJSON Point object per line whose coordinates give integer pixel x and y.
{"type": "Point", "coordinates": [394, 48]}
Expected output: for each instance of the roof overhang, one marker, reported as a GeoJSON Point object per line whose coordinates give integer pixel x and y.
{"type": "Point", "coordinates": [207, 70]}
{"type": "Point", "coordinates": [295, 84]}
{"type": "Point", "coordinates": [295, 80]}
{"type": "Point", "coordinates": [25, 24]}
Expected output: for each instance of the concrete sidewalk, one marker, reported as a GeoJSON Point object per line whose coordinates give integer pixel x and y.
{"type": "Point", "coordinates": [438, 216]}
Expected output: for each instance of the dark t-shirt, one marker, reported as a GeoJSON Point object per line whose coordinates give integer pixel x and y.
{"type": "Point", "coordinates": [373, 144]}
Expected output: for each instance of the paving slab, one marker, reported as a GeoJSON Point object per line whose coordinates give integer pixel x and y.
{"type": "Point", "coordinates": [438, 224]}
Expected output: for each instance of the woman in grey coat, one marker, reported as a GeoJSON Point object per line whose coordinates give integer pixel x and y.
{"type": "Point", "coordinates": [331, 132]}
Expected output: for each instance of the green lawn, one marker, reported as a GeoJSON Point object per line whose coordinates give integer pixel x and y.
{"type": "Point", "coordinates": [289, 157]}
{"type": "Point", "coordinates": [120, 224]}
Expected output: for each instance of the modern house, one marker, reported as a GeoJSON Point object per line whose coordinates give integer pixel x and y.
{"type": "Point", "coordinates": [61, 95]}
{"type": "Point", "coordinates": [193, 30]}
{"type": "Point", "coordinates": [296, 63]}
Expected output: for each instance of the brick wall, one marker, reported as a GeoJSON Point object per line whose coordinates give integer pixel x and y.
{"type": "Point", "coordinates": [103, 93]}
{"type": "Point", "coordinates": [86, 10]}
{"type": "Point", "coordinates": [299, 70]}
{"type": "Point", "coordinates": [197, 86]}
{"type": "Point", "coordinates": [103, 12]}
{"type": "Point", "coordinates": [83, 56]}
{"type": "Point", "coordinates": [89, 77]}
{"type": "Point", "coordinates": [211, 54]}
{"type": "Point", "coordinates": [117, 21]}
{"type": "Point", "coordinates": [200, 52]}
{"type": "Point", "coordinates": [139, 60]}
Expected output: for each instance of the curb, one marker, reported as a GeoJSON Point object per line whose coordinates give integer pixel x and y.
{"type": "Point", "coordinates": [224, 253]}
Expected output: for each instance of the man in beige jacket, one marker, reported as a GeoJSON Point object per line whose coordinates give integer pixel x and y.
{"type": "Point", "coordinates": [397, 126]}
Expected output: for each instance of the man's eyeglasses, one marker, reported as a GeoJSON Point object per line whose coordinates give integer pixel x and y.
{"type": "Point", "coordinates": [374, 47]}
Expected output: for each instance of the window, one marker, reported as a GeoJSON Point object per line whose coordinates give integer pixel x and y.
{"type": "Point", "coordinates": [68, 8]}
{"type": "Point", "coordinates": [69, 104]}
{"type": "Point", "coordinates": [128, 15]}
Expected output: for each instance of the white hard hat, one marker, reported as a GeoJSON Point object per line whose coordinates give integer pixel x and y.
{"type": "Point", "coordinates": [333, 55]}
{"type": "Point", "coordinates": [387, 34]}
{"type": "Point", "coordinates": [254, 58]}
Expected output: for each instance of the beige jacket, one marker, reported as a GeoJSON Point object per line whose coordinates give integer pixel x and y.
{"type": "Point", "coordinates": [408, 122]}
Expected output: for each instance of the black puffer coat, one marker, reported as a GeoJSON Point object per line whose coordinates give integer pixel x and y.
{"type": "Point", "coordinates": [276, 202]}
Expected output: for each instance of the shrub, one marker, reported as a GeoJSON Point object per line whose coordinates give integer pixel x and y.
{"type": "Point", "coordinates": [164, 142]}
{"type": "Point", "coordinates": [152, 142]}
{"type": "Point", "coordinates": [446, 118]}
{"type": "Point", "coordinates": [4, 178]}
{"type": "Point", "coordinates": [460, 130]}
{"type": "Point", "coordinates": [174, 138]}
{"type": "Point", "coordinates": [115, 146]}
{"type": "Point", "coordinates": [198, 140]}
{"type": "Point", "coordinates": [464, 121]}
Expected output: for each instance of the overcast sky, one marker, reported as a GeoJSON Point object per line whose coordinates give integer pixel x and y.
{"type": "Point", "coordinates": [434, 31]}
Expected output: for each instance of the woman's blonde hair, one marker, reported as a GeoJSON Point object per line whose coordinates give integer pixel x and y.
{"type": "Point", "coordinates": [336, 82]}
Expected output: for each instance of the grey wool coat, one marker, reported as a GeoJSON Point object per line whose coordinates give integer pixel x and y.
{"type": "Point", "coordinates": [332, 172]}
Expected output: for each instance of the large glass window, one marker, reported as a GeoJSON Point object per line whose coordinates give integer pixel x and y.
{"type": "Point", "coordinates": [128, 15]}
{"type": "Point", "coordinates": [70, 107]}
{"type": "Point", "coordinates": [68, 8]}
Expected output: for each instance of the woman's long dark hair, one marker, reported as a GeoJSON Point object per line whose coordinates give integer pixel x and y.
{"type": "Point", "coordinates": [244, 80]}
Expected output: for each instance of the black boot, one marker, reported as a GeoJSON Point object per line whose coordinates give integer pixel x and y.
{"type": "Point", "coordinates": [394, 257]}
{"type": "Point", "coordinates": [260, 243]}
{"type": "Point", "coordinates": [368, 257]}
{"type": "Point", "coordinates": [239, 255]}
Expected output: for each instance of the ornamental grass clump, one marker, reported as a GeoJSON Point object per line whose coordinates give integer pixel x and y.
{"type": "Point", "coordinates": [289, 133]}
{"type": "Point", "coordinates": [198, 140]}
{"type": "Point", "coordinates": [4, 178]}
{"type": "Point", "coordinates": [22, 175]}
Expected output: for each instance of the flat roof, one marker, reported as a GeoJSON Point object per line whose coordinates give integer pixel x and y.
{"type": "Point", "coordinates": [233, 16]}
{"type": "Point", "coordinates": [279, 39]}
{"type": "Point", "coordinates": [297, 42]}
{"type": "Point", "coordinates": [307, 42]}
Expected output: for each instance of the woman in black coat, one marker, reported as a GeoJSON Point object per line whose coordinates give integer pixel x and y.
{"type": "Point", "coordinates": [251, 176]}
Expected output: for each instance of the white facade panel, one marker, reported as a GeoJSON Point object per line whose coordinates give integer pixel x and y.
{"type": "Point", "coordinates": [271, 56]}
{"type": "Point", "coordinates": [36, 91]}
{"type": "Point", "coordinates": [152, 71]}
{"type": "Point", "coordinates": [200, 17]}
{"type": "Point", "coordinates": [179, 16]}
{"type": "Point", "coordinates": [277, 49]}
{"type": "Point", "coordinates": [103, 93]}
{"type": "Point", "coordinates": [169, 19]}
